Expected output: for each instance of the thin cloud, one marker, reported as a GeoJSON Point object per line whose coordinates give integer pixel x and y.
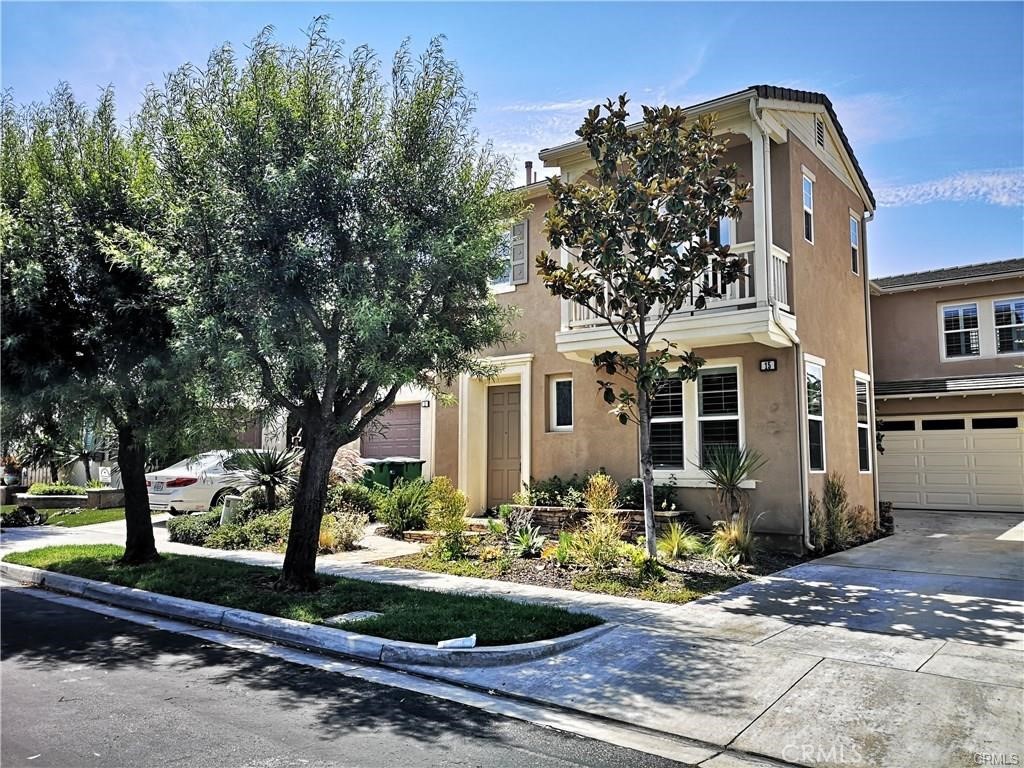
{"type": "Point", "coordinates": [549, 106]}
{"type": "Point", "coordinates": [1004, 188]}
{"type": "Point", "coordinates": [874, 118]}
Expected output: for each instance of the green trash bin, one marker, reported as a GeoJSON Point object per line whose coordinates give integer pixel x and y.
{"type": "Point", "coordinates": [376, 473]}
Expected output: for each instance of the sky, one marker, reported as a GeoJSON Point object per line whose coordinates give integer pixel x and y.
{"type": "Point", "coordinates": [931, 95]}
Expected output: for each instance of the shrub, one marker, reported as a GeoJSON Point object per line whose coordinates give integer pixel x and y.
{"type": "Point", "coordinates": [679, 541]}
{"type": "Point", "coordinates": [22, 517]}
{"type": "Point", "coordinates": [273, 471]}
{"type": "Point", "coordinates": [252, 505]}
{"type": "Point", "coordinates": [193, 529]}
{"type": "Point", "coordinates": [838, 532]}
{"type": "Point", "coordinates": [562, 552]}
{"type": "Point", "coordinates": [490, 554]}
{"type": "Point", "coordinates": [597, 544]}
{"type": "Point", "coordinates": [733, 541]}
{"type": "Point", "coordinates": [56, 489]}
{"type": "Point", "coordinates": [352, 496]}
{"type": "Point", "coordinates": [647, 568]}
{"type": "Point", "coordinates": [339, 531]}
{"type": "Point", "coordinates": [862, 523]}
{"type": "Point", "coordinates": [816, 517]}
{"type": "Point", "coordinates": [554, 492]}
{"type": "Point", "coordinates": [95, 484]}
{"type": "Point", "coordinates": [601, 492]}
{"type": "Point", "coordinates": [405, 508]}
{"type": "Point", "coordinates": [260, 533]}
{"type": "Point", "coordinates": [447, 518]}
{"type": "Point", "coordinates": [728, 467]}
{"type": "Point", "coordinates": [527, 542]}
{"type": "Point", "coordinates": [631, 496]}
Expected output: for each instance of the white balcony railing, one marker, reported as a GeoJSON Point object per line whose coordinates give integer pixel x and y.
{"type": "Point", "coordinates": [780, 281]}
{"type": "Point", "coordinates": [736, 293]}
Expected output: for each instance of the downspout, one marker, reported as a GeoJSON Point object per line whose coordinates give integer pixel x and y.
{"type": "Point", "coordinates": [870, 216]}
{"type": "Point", "coordinates": [801, 448]}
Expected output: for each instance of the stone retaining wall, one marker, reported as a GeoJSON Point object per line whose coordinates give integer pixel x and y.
{"type": "Point", "coordinates": [554, 519]}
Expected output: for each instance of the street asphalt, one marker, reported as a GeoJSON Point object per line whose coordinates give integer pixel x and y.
{"type": "Point", "coordinates": [83, 689]}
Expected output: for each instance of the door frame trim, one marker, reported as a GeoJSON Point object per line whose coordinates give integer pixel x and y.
{"type": "Point", "coordinates": [509, 369]}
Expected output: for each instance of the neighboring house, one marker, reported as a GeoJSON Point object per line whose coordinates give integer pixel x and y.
{"type": "Point", "coordinates": [787, 349]}
{"type": "Point", "coordinates": [949, 390]}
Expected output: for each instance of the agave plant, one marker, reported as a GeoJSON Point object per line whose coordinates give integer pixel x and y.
{"type": "Point", "coordinates": [728, 467]}
{"type": "Point", "coordinates": [269, 470]}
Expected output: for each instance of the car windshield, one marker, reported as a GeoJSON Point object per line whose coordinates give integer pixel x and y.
{"type": "Point", "coordinates": [192, 463]}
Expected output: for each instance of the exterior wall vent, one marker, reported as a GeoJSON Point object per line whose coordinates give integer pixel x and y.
{"type": "Point", "coordinates": [819, 131]}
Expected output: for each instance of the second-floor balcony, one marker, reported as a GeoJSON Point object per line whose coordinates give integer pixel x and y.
{"type": "Point", "coordinates": [753, 309]}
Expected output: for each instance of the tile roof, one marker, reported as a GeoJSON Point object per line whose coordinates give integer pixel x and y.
{"type": "Point", "coordinates": [950, 385]}
{"type": "Point", "coordinates": [782, 94]}
{"type": "Point", "coordinates": [1007, 267]}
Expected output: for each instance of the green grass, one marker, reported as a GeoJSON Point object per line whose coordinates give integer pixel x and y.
{"type": "Point", "coordinates": [409, 614]}
{"type": "Point", "coordinates": [85, 517]}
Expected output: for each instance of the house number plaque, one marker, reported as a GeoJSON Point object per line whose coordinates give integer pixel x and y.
{"type": "Point", "coordinates": [769, 365]}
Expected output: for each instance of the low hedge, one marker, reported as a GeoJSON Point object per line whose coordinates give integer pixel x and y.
{"type": "Point", "coordinates": [56, 489]}
{"type": "Point", "coordinates": [193, 529]}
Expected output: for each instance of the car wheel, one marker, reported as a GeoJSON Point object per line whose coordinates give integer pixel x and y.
{"type": "Point", "coordinates": [175, 512]}
{"type": "Point", "coordinates": [218, 497]}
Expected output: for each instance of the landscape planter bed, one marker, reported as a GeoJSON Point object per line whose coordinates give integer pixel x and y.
{"type": "Point", "coordinates": [551, 520]}
{"type": "Point", "coordinates": [52, 502]}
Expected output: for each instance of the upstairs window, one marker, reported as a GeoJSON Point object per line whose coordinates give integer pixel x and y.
{"type": "Point", "coordinates": [667, 425]}
{"type": "Point", "coordinates": [855, 245]}
{"type": "Point", "coordinates": [513, 251]}
{"type": "Point", "coordinates": [1009, 322]}
{"type": "Point", "coordinates": [808, 208]}
{"type": "Point", "coordinates": [718, 411]}
{"type": "Point", "coordinates": [960, 331]}
{"type": "Point", "coordinates": [815, 416]}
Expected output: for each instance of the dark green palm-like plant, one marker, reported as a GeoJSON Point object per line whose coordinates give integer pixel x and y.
{"type": "Point", "coordinates": [728, 467]}
{"type": "Point", "coordinates": [269, 470]}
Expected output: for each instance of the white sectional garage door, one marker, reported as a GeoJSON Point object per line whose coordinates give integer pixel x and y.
{"type": "Point", "coordinates": [953, 461]}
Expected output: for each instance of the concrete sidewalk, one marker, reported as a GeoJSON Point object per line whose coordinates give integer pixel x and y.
{"type": "Point", "coordinates": [909, 650]}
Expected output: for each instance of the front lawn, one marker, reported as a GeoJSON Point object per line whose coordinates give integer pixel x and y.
{"type": "Point", "coordinates": [72, 518]}
{"type": "Point", "coordinates": [409, 614]}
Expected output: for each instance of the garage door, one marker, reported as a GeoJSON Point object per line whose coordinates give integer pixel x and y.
{"type": "Point", "coordinates": [399, 434]}
{"type": "Point", "coordinates": [953, 461]}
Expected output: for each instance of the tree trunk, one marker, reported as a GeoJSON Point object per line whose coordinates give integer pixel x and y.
{"type": "Point", "coordinates": [647, 470]}
{"type": "Point", "coordinates": [271, 493]}
{"type": "Point", "coordinates": [88, 469]}
{"type": "Point", "coordinates": [299, 571]}
{"type": "Point", "coordinates": [139, 546]}
{"type": "Point", "coordinates": [54, 474]}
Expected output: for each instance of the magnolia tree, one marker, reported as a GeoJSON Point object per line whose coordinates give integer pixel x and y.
{"type": "Point", "coordinates": [639, 236]}
{"type": "Point", "coordinates": [333, 228]}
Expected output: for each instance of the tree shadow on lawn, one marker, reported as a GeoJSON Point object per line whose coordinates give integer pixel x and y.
{"type": "Point", "coordinates": [917, 605]}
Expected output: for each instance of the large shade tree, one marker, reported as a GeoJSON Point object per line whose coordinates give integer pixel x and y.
{"type": "Point", "coordinates": [639, 238]}
{"type": "Point", "coordinates": [334, 226]}
{"type": "Point", "coordinates": [84, 330]}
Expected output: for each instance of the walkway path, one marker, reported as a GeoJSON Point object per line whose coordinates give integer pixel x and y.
{"type": "Point", "coordinates": [906, 651]}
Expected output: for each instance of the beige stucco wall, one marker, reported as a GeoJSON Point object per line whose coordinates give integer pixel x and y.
{"type": "Point", "coordinates": [906, 332]}
{"type": "Point", "coordinates": [829, 301]}
{"type": "Point", "coordinates": [831, 323]}
{"type": "Point", "coordinates": [958, 404]}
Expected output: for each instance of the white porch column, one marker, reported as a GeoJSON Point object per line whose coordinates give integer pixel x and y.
{"type": "Point", "coordinates": [760, 146]}
{"type": "Point", "coordinates": [563, 255]}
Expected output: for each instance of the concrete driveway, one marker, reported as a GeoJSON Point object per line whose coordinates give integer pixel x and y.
{"type": "Point", "coordinates": [905, 651]}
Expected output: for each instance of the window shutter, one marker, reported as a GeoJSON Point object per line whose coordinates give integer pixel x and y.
{"type": "Point", "coordinates": [520, 253]}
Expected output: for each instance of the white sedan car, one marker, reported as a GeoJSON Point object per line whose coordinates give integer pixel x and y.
{"type": "Point", "coordinates": [195, 484]}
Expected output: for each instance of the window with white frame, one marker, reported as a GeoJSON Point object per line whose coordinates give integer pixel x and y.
{"type": "Point", "coordinates": [667, 425]}
{"type": "Point", "coordinates": [561, 404]}
{"type": "Point", "coordinates": [960, 333]}
{"type": "Point", "coordinates": [855, 245]}
{"type": "Point", "coordinates": [724, 233]}
{"type": "Point", "coordinates": [718, 411]}
{"type": "Point", "coordinates": [815, 416]}
{"type": "Point", "coordinates": [1009, 325]}
{"type": "Point", "coordinates": [504, 251]}
{"type": "Point", "coordinates": [863, 428]}
{"type": "Point", "coordinates": [808, 190]}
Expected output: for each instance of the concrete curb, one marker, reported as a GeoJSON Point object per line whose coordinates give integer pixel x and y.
{"type": "Point", "coordinates": [297, 633]}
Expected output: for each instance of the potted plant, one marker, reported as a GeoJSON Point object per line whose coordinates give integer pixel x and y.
{"type": "Point", "coordinates": [12, 470]}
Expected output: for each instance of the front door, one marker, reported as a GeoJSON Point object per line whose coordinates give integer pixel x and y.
{"type": "Point", "coordinates": [503, 456]}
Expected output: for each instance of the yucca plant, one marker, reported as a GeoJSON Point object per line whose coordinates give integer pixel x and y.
{"type": "Point", "coordinates": [728, 467]}
{"type": "Point", "coordinates": [678, 541]}
{"type": "Point", "coordinates": [269, 470]}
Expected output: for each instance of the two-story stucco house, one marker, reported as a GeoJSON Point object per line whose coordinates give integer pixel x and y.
{"type": "Point", "coordinates": [787, 349]}
{"type": "Point", "coordinates": [949, 364]}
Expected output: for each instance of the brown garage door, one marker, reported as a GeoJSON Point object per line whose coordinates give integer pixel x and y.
{"type": "Point", "coordinates": [399, 434]}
